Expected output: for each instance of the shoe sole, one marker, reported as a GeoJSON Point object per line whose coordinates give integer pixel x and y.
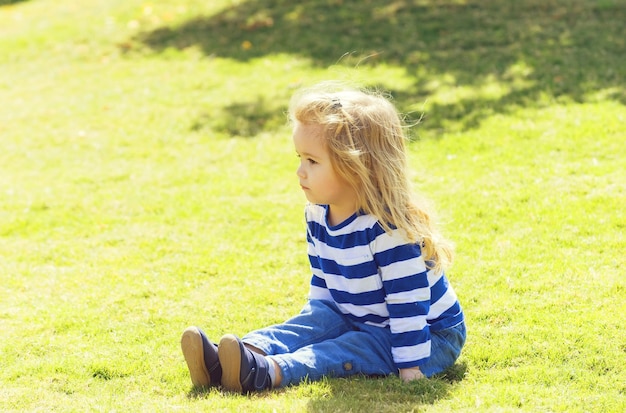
{"type": "Point", "coordinates": [191, 344]}
{"type": "Point", "coordinates": [229, 354]}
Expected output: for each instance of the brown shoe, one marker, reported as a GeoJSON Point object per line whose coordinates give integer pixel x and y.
{"type": "Point", "coordinates": [244, 371]}
{"type": "Point", "coordinates": [201, 357]}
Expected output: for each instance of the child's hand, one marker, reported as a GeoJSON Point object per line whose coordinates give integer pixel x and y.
{"type": "Point", "coordinates": [411, 374]}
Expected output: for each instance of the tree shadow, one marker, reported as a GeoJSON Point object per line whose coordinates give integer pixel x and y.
{"type": "Point", "coordinates": [387, 394]}
{"type": "Point", "coordinates": [491, 55]}
{"type": "Point", "coordinates": [244, 118]}
{"type": "Point", "coordinates": [9, 2]}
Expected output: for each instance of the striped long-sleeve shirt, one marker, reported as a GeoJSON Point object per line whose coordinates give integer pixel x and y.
{"type": "Point", "coordinates": [380, 279]}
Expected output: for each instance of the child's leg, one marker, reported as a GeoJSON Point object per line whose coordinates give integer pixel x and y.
{"type": "Point", "coordinates": [245, 371]}
{"type": "Point", "coordinates": [318, 321]}
{"type": "Point", "coordinates": [367, 351]}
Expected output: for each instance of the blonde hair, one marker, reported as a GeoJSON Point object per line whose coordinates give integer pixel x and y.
{"type": "Point", "coordinates": [364, 135]}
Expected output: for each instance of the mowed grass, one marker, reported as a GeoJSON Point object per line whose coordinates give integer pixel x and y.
{"type": "Point", "coordinates": [147, 183]}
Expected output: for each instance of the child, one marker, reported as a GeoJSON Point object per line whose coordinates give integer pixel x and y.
{"type": "Point", "coordinates": [379, 301]}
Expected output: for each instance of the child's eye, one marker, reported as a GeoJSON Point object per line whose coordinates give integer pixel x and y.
{"type": "Point", "coordinates": [309, 160]}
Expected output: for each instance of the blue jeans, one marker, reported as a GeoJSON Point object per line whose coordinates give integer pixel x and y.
{"type": "Point", "coordinates": [321, 341]}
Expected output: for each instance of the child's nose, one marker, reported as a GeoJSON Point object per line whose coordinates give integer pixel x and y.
{"type": "Point", "coordinates": [300, 172]}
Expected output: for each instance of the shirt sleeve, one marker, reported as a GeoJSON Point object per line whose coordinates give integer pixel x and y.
{"type": "Point", "coordinates": [405, 282]}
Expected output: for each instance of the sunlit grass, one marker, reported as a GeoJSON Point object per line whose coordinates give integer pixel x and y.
{"type": "Point", "coordinates": [147, 183]}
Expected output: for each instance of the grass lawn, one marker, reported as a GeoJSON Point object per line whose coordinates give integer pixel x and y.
{"type": "Point", "coordinates": [147, 183]}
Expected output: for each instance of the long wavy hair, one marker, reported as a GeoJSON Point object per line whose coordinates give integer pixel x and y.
{"type": "Point", "coordinates": [365, 137]}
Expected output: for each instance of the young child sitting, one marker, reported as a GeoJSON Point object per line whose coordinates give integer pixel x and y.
{"type": "Point", "coordinates": [379, 301]}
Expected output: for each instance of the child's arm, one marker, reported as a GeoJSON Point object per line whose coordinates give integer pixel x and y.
{"type": "Point", "coordinates": [413, 373]}
{"type": "Point", "coordinates": [405, 281]}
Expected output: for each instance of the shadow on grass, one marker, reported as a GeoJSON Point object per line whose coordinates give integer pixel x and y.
{"type": "Point", "coordinates": [9, 2]}
{"type": "Point", "coordinates": [387, 394]}
{"type": "Point", "coordinates": [245, 118]}
{"type": "Point", "coordinates": [360, 393]}
{"type": "Point", "coordinates": [202, 392]}
{"type": "Point", "coordinates": [492, 55]}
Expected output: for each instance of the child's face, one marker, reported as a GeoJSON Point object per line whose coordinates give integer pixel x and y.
{"type": "Point", "coordinates": [318, 179]}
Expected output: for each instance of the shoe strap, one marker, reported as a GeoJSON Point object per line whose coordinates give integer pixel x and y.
{"type": "Point", "coordinates": [261, 375]}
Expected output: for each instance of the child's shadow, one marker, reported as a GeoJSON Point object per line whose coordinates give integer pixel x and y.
{"type": "Point", "coordinates": [360, 393]}
{"type": "Point", "coordinates": [200, 393]}
{"type": "Point", "coordinates": [388, 394]}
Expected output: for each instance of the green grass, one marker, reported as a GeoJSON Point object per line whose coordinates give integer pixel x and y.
{"type": "Point", "coordinates": [147, 183]}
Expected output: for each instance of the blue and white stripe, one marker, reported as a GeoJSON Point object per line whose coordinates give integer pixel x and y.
{"type": "Point", "coordinates": [378, 278]}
